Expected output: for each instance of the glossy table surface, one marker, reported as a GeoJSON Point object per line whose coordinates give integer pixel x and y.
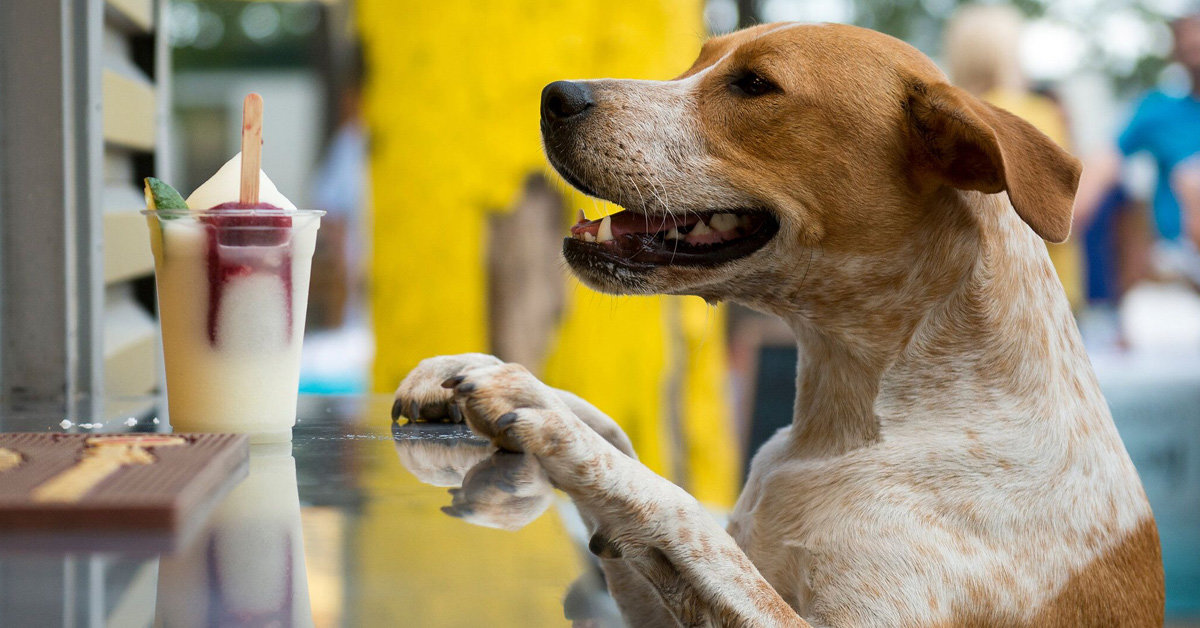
{"type": "Point", "coordinates": [360, 522]}
{"type": "Point", "coordinates": [363, 522]}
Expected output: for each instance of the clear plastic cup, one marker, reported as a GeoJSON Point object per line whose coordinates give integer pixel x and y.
{"type": "Point", "coordinates": [232, 294]}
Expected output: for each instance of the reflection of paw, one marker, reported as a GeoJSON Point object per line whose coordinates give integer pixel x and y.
{"type": "Point", "coordinates": [505, 491]}
{"type": "Point", "coordinates": [507, 404]}
{"type": "Point", "coordinates": [440, 455]}
{"type": "Point", "coordinates": [421, 396]}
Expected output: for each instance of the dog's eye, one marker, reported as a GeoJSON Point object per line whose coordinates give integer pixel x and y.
{"type": "Point", "coordinates": [752, 84]}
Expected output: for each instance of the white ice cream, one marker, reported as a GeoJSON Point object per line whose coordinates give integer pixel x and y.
{"type": "Point", "coordinates": [236, 368]}
{"type": "Point", "coordinates": [248, 380]}
{"type": "Point", "coordinates": [223, 187]}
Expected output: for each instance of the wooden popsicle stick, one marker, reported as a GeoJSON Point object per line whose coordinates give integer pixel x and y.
{"type": "Point", "coordinates": [252, 109]}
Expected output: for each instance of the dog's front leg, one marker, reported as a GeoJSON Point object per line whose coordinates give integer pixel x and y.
{"type": "Point", "coordinates": [649, 590]}
{"type": "Point", "coordinates": [598, 421]}
{"type": "Point", "coordinates": [663, 533]}
{"type": "Point", "coordinates": [640, 602]}
{"type": "Point", "coordinates": [665, 602]}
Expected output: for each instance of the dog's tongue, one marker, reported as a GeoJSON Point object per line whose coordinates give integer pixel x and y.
{"type": "Point", "coordinates": [624, 222]}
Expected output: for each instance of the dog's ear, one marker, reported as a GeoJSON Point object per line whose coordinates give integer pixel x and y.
{"type": "Point", "coordinates": [972, 145]}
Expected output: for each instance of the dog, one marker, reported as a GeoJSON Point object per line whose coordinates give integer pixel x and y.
{"type": "Point", "coordinates": [951, 461]}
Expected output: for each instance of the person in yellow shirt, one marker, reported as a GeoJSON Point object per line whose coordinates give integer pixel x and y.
{"type": "Point", "coordinates": [980, 53]}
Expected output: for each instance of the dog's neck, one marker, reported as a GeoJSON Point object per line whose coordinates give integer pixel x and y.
{"type": "Point", "coordinates": [971, 314]}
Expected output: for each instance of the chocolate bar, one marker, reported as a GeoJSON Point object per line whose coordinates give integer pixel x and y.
{"type": "Point", "coordinates": [81, 491]}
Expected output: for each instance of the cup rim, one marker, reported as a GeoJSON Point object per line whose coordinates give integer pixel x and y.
{"type": "Point", "coordinates": [200, 213]}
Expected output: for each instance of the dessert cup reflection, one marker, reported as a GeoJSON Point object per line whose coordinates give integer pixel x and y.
{"type": "Point", "coordinates": [247, 567]}
{"type": "Point", "coordinates": [490, 487]}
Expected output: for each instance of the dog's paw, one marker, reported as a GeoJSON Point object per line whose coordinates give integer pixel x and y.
{"type": "Point", "coordinates": [421, 396]}
{"type": "Point", "coordinates": [508, 405]}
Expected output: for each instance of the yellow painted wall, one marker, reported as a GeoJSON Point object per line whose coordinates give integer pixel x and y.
{"type": "Point", "coordinates": [452, 105]}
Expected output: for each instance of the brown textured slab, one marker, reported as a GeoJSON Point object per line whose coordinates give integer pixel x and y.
{"type": "Point", "coordinates": [161, 499]}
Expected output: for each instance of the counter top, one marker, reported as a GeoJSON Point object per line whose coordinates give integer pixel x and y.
{"type": "Point", "coordinates": [359, 522]}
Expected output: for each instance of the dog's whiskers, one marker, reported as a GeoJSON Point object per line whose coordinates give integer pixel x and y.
{"type": "Point", "coordinates": [665, 203]}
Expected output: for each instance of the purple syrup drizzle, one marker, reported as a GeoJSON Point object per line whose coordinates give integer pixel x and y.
{"type": "Point", "coordinates": [230, 231]}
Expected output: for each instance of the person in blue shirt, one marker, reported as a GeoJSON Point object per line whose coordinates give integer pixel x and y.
{"type": "Point", "coordinates": [1168, 129]}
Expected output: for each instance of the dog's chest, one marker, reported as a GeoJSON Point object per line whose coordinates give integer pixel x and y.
{"type": "Point", "coordinates": [883, 530]}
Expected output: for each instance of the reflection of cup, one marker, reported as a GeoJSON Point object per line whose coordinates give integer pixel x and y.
{"type": "Point", "coordinates": [232, 292]}
{"type": "Point", "coordinates": [247, 567]}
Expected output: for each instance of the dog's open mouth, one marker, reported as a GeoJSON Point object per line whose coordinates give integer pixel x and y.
{"type": "Point", "coordinates": [697, 239]}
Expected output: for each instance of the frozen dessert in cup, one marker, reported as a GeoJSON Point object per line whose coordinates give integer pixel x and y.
{"type": "Point", "coordinates": [232, 274]}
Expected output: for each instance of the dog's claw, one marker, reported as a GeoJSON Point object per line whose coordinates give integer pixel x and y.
{"type": "Point", "coordinates": [457, 512]}
{"type": "Point", "coordinates": [506, 419]}
{"type": "Point", "coordinates": [452, 382]}
{"type": "Point", "coordinates": [397, 407]}
{"type": "Point", "coordinates": [465, 387]}
{"type": "Point", "coordinates": [456, 413]}
{"type": "Point", "coordinates": [414, 410]}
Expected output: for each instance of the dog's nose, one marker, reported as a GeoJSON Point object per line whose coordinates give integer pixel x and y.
{"type": "Point", "coordinates": [565, 99]}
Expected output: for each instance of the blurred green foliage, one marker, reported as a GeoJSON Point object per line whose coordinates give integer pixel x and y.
{"type": "Point", "coordinates": [226, 34]}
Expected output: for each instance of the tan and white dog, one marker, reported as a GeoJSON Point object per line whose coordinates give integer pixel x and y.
{"type": "Point", "coordinates": [952, 461]}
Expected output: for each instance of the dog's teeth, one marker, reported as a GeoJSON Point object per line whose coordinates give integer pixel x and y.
{"type": "Point", "coordinates": [673, 234]}
{"type": "Point", "coordinates": [605, 232]}
{"type": "Point", "coordinates": [588, 237]}
{"type": "Point", "coordinates": [580, 217]}
{"type": "Point", "coordinates": [723, 222]}
{"type": "Point", "coordinates": [700, 229]}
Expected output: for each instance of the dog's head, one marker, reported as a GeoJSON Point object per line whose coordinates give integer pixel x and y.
{"type": "Point", "coordinates": [782, 140]}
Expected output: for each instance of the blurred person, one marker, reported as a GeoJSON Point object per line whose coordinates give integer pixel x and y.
{"type": "Point", "coordinates": [339, 187]}
{"type": "Point", "coordinates": [980, 52]}
{"type": "Point", "coordinates": [1185, 182]}
{"type": "Point", "coordinates": [1168, 129]}
{"type": "Point", "coordinates": [339, 345]}
{"type": "Point", "coordinates": [526, 293]}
